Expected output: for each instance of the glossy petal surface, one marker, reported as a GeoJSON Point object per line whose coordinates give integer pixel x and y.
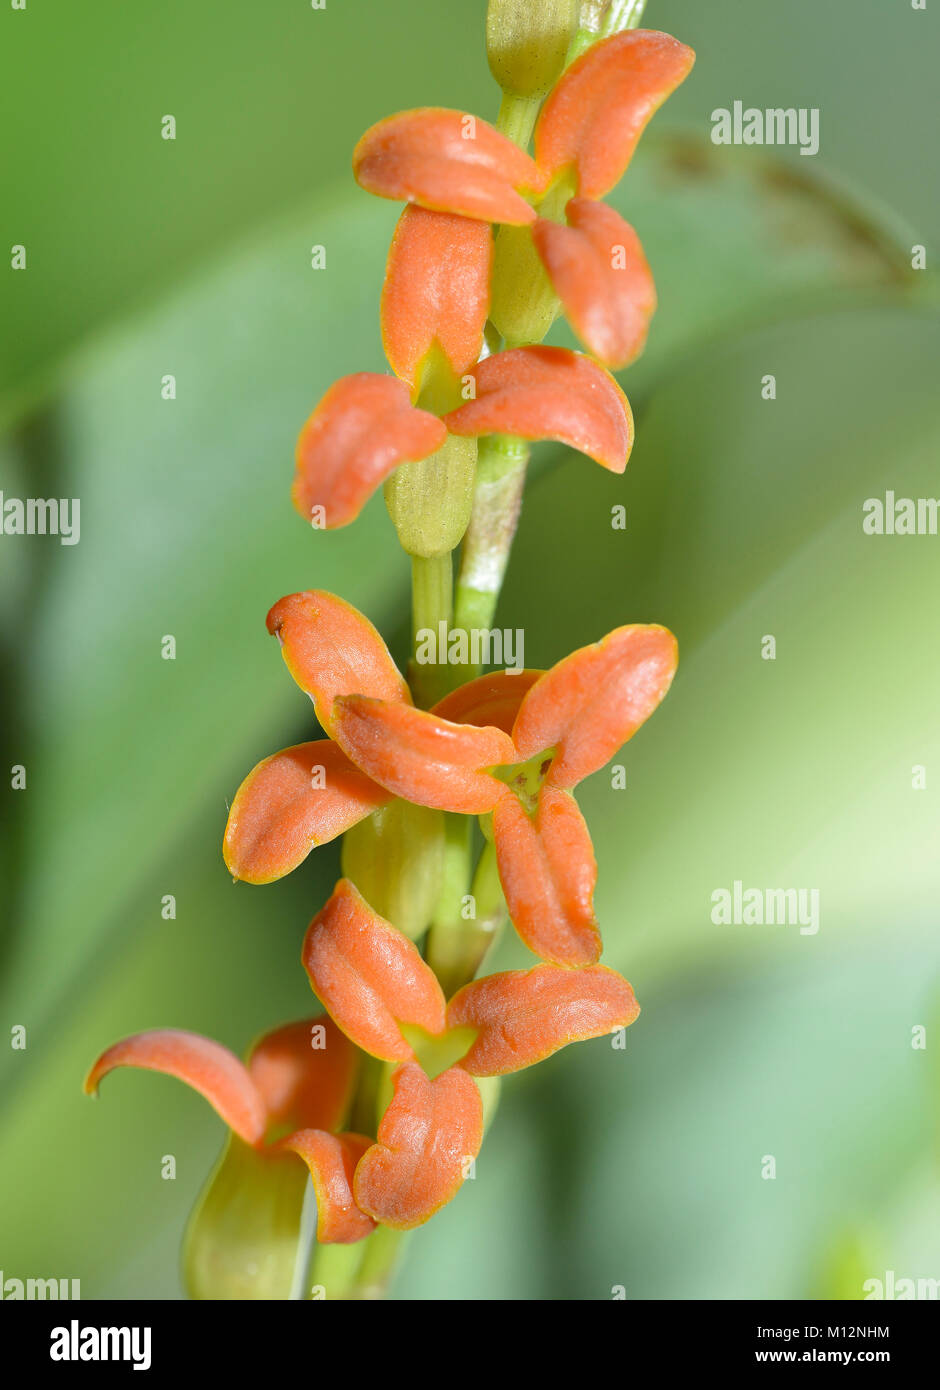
{"type": "Point", "coordinates": [599, 272]}
{"type": "Point", "coordinates": [524, 1016]}
{"type": "Point", "coordinates": [299, 798]}
{"type": "Point", "coordinates": [593, 119]}
{"type": "Point", "coordinates": [550, 393]}
{"type": "Point", "coordinates": [332, 649]}
{"type": "Point", "coordinates": [332, 1159]}
{"type": "Point", "coordinates": [447, 161]}
{"type": "Point", "coordinates": [305, 1073]}
{"type": "Point", "coordinates": [492, 700]}
{"type": "Point", "coordinates": [548, 872]}
{"type": "Point", "coordinates": [369, 976]}
{"type": "Point", "coordinates": [590, 703]}
{"type": "Point", "coordinates": [421, 757]}
{"type": "Point", "coordinates": [427, 1137]}
{"type": "Point", "coordinates": [364, 427]}
{"type": "Point", "coordinates": [437, 290]}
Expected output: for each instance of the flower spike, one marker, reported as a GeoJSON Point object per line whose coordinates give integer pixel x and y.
{"type": "Point", "coordinates": [363, 428]}
{"type": "Point", "coordinates": [523, 1016]}
{"type": "Point", "coordinates": [428, 1135]}
{"type": "Point", "coordinates": [599, 272]}
{"type": "Point", "coordinates": [437, 291]}
{"type": "Point", "coordinates": [291, 802]}
{"type": "Point", "coordinates": [369, 976]}
{"type": "Point", "coordinates": [550, 393]}
{"type": "Point", "coordinates": [593, 119]}
{"type": "Point", "coordinates": [447, 161]}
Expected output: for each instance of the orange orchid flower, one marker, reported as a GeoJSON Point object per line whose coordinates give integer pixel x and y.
{"type": "Point", "coordinates": [288, 1101]}
{"type": "Point", "coordinates": [585, 137]}
{"type": "Point", "coordinates": [380, 992]}
{"type": "Point", "coordinates": [365, 426]}
{"type": "Point", "coordinates": [510, 744]}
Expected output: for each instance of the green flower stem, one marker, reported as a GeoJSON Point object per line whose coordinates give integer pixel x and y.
{"type": "Point", "coordinates": [382, 1251]}
{"type": "Point", "coordinates": [501, 468]}
{"type": "Point", "coordinates": [458, 945]}
{"type": "Point", "coordinates": [335, 1270]}
{"type": "Point", "coordinates": [432, 590]}
{"type": "Point", "coordinates": [517, 117]}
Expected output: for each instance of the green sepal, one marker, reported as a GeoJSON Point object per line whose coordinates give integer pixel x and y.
{"type": "Point", "coordinates": [396, 859]}
{"type": "Point", "coordinates": [243, 1240]}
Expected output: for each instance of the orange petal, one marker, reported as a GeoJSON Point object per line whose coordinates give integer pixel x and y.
{"type": "Point", "coordinates": [296, 799]}
{"type": "Point", "coordinates": [421, 757]}
{"type": "Point", "coordinates": [305, 1073]}
{"type": "Point", "coordinates": [205, 1065]}
{"type": "Point", "coordinates": [548, 872]}
{"type": "Point", "coordinates": [588, 705]}
{"type": "Point", "coordinates": [363, 428]}
{"type": "Point", "coordinates": [599, 272]}
{"type": "Point", "coordinates": [598, 111]}
{"type": "Point", "coordinates": [332, 1160]}
{"type": "Point", "coordinates": [331, 649]}
{"type": "Point", "coordinates": [449, 162]}
{"type": "Point", "coordinates": [428, 1135]}
{"type": "Point", "coordinates": [492, 700]}
{"type": "Point", "coordinates": [369, 976]}
{"type": "Point", "coordinates": [437, 290]}
{"type": "Point", "coordinates": [550, 393]}
{"type": "Point", "coordinates": [524, 1016]}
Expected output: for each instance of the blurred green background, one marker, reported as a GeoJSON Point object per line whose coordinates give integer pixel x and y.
{"type": "Point", "coordinates": [639, 1168]}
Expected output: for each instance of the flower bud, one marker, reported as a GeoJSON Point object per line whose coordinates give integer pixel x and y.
{"type": "Point", "coordinates": [430, 501]}
{"type": "Point", "coordinates": [242, 1239]}
{"type": "Point", "coordinates": [524, 305]}
{"type": "Point", "coordinates": [395, 858]}
{"type": "Point", "coordinates": [527, 42]}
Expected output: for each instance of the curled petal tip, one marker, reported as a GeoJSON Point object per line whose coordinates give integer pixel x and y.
{"type": "Point", "coordinates": [550, 393]}
{"type": "Point", "coordinates": [206, 1066]}
{"type": "Point", "coordinates": [331, 649]}
{"type": "Point", "coordinates": [332, 1160]}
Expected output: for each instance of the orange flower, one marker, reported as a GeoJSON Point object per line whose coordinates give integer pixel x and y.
{"type": "Point", "coordinates": [291, 1098]}
{"type": "Point", "coordinates": [511, 744]}
{"type": "Point", "coordinates": [585, 137]}
{"type": "Point", "coordinates": [379, 991]}
{"type": "Point", "coordinates": [365, 426]}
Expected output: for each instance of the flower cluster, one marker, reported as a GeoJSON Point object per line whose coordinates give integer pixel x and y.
{"type": "Point", "coordinates": [385, 1098]}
